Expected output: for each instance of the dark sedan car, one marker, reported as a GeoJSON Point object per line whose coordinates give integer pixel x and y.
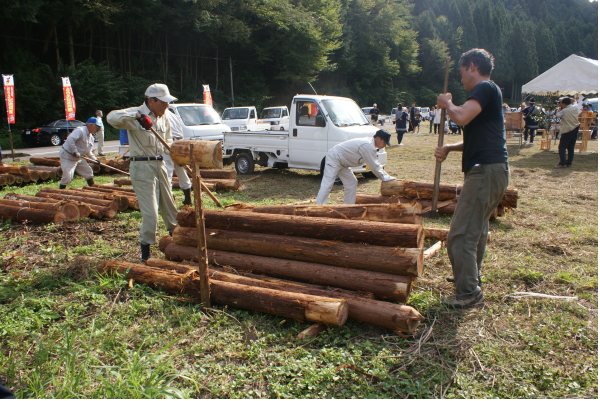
{"type": "Point", "coordinates": [53, 133]}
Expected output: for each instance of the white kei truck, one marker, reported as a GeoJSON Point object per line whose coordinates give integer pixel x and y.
{"type": "Point", "coordinates": [278, 117]}
{"type": "Point", "coordinates": [317, 123]}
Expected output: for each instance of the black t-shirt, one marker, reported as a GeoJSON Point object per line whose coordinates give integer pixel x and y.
{"type": "Point", "coordinates": [401, 119]}
{"type": "Point", "coordinates": [484, 137]}
{"type": "Point", "coordinates": [528, 113]}
{"type": "Point", "coordinates": [374, 116]}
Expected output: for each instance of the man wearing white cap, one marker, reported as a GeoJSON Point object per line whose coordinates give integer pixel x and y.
{"type": "Point", "coordinates": [78, 143]}
{"type": "Point", "coordinates": [148, 171]}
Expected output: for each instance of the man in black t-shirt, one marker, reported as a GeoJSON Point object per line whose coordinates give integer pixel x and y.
{"type": "Point", "coordinates": [413, 121]}
{"type": "Point", "coordinates": [485, 166]}
{"type": "Point", "coordinates": [374, 114]}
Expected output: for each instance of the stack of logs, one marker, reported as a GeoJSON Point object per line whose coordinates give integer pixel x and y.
{"type": "Point", "coordinates": [51, 205]}
{"type": "Point", "coordinates": [339, 252]}
{"type": "Point", "coordinates": [215, 180]}
{"type": "Point", "coordinates": [53, 164]}
{"type": "Point", "coordinates": [407, 191]}
{"type": "Point", "coordinates": [15, 175]}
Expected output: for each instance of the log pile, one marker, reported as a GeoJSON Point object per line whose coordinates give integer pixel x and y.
{"type": "Point", "coordinates": [15, 175]}
{"type": "Point", "coordinates": [71, 210]}
{"type": "Point", "coordinates": [212, 184]}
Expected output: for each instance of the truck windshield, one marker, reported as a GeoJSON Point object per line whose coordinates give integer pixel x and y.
{"type": "Point", "coordinates": [235, 114]}
{"type": "Point", "coordinates": [270, 113]}
{"type": "Point", "coordinates": [344, 112]}
{"type": "Point", "coordinates": [198, 115]}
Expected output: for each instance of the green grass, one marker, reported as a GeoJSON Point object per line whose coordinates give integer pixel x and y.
{"type": "Point", "coordinates": [69, 333]}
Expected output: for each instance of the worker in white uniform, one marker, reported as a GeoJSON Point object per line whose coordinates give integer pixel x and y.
{"type": "Point", "coordinates": [352, 153]}
{"type": "Point", "coordinates": [148, 171]}
{"type": "Point", "coordinates": [78, 143]}
{"type": "Point", "coordinates": [184, 181]}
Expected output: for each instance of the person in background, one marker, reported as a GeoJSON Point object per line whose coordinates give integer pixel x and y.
{"type": "Point", "coordinates": [79, 143]}
{"type": "Point", "coordinates": [569, 127]}
{"type": "Point", "coordinates": [100, 133]}
{"type": "Point", "coordinates": [436, 119]}
{"type": "Point", "coordinates": [123, 139]}
{"type": "Point", "coordinates": [431, 116]}
{"type": "Point", "coordinates": [531, 124]}
{"type": "Point", "coordinates": [184, 181]}
{"type": "Point", "coordinates": [505, 109]}
{"type": "Point", "coordinates": [417, 125]}
{"type": "Point", "coordinates": [401, 121]}
{"type": "Point", "coordinates": [374, 114]}
{"type": "Point", "coordinates": [411, 113]}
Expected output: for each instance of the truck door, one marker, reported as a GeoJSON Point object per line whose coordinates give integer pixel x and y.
{"type": "Point", "coordinates": [308, 138]}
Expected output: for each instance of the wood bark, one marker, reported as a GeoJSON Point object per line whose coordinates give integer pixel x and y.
{"type": "Point", "coordinates": [301, 307]}
{"type": "Point", "coordinates": [36, 216]}
{"type": "Point", "coordinates": [8, 169]}
{"type": "Point", "coordinates": [9, 179]}
{"type": "Point", "coordinates": [45, 161]}
{"type": "Point", "coordinates": [96, 211]}
{"type": "Point", "coordinates": [374, 233]}
{"type": "Point", "coordinates": [70, 210]}
{"type": "Point", "coordinates": [218, 174]}
{"type": "Point", "coordinates": [207, 154]}
{"type": "Point", "coordinates": [121, 201]}
{"type": "Point", "coordinates": [424, 190]}
{"type": "Point", "coordinates": [80, 197]}
{"type": "Point", "coordinates": [400, 261]}
{"type": "Point", "coordinates": [395, 317]}
{"type": "Point", "coordinates": [442, 233]}
{"type": "Point", "coordinates": [132, 200]}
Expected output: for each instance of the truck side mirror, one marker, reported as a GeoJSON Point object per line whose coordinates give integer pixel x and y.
{"type": "Point", "coordinates": [320, 121]}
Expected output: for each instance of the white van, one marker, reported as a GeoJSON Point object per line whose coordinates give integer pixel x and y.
{"type": "Point", "coordinates": [278, 117]}
{"type": "Point", "coordinates": [200, 121]}
{"type": "Point", "coordinates": [242, 119]}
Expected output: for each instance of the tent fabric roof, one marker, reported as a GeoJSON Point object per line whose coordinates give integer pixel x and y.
{"type": "Point", "coordinates": [571, 76]}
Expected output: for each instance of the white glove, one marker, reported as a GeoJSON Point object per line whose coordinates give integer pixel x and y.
{"type": "Point", "coordinates": [388, 178]}
{"type": "Point", "coordinates": [76, 154]}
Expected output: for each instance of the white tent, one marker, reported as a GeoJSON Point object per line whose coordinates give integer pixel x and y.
{"type": "Point", "coordinates": [571, 76]}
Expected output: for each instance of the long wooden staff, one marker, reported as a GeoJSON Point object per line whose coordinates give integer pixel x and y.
{"type": "Point", "coordinates": [105, 165]}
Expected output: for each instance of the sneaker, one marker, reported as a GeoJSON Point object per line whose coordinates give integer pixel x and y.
{"type": "Point", "coordinates": [403, 145]}
{"type": "Point", "coordinates": [476, 301]}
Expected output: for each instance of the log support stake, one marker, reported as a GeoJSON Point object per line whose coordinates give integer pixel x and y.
{"type": "Point", "coordinates": [201, 233]}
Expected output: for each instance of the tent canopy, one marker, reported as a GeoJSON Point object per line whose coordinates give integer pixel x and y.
{"type": "Point", "coordinates": [571, 76]}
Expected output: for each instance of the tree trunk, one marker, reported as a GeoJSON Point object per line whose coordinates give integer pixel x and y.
{"type": "Point", "coordinates": [207, 154]}
{"type": "Point", "coordinates": [96, 211]}
{"type": "Point", "coordinates": [132, 200]}
{"type": "Point", "coordinates": [121, 201]}
{"type": "Point", "coordinates": [301, 307]}
{"type": "Point", "coordinates": [70, 210]}
{"type": "Point", "coordinates": [56, 49]}
{"type": "Point", "coordinates": [8, 169]}
{"type": "Point", "coordinates": [84, 210]}
{"type": "Point", "coordinates": [399, 318]}
{"type": "Point", "coordinates": [9, 179]}
{"type": "Point", "coordinates": [218, 174]}
{"type": "Point", "coordinates": [400, 261]}
{"type": "Point", "coordinates": [36, 216]}
{"type": "Point", "coordinates": [44, 161]}
{"type": "Point", "coordinates": [374, 233]}
{"type": "Point", "coordinates": [424, 190]}
{"type": "Point", "coordinates": [70, 38]}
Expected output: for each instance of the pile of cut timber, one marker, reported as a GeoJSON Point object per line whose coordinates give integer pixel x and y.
{"type": "Point", "coordinates": [40, 210]}
{"type": "Point", "coordinates": [367, 263]}
{"type": "Point", "coordinates": [15, 175]}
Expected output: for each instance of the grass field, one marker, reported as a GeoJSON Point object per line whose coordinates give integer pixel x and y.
{"type": "Point", "coordinates": [68, 333]}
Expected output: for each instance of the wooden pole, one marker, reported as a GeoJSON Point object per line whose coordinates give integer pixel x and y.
{"type": "Point", "coordinates": [200, 234]}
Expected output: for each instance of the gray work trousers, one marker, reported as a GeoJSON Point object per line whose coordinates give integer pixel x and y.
{"type": "Point", "coordinates": [153, 191]}
{"type": "Point", "coordinates": [482, 191]}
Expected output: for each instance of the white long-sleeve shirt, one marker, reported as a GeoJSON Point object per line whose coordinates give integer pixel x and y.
{"type": "Point", "coordinates": [176, 125]}
{"type": "Point", "coordinates": [359, 151]}
{"type": "Point", "coordinates": [80, 140]}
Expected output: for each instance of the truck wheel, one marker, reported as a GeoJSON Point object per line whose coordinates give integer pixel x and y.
{"type": "Point", "coordinates": [244, 164]}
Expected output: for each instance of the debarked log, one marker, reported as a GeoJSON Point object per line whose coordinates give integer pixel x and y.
{"type": "Point", "coordinates": [301, 307]}
{"type": "Point", "coordinates": [400, 261]}
{"type": "Point", "coordinates": [207, 154]}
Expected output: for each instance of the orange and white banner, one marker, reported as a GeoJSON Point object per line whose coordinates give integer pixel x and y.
{"type": "Point", "coordinates": [207, 96]}
{"type": "Point", "coordinates": [69, 98]}
{"type": "Point", "coordinates": [9, 95]}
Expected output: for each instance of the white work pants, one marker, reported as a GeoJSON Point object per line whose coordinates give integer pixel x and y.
{"type": "Point", "coordinates": [69, 165]}
{"type": "Point", "coordinates": [333, 169]}
{"type": "Point", "coordinates": [100, 136]}
{"type": "Point", "coordinates": [184, 180]}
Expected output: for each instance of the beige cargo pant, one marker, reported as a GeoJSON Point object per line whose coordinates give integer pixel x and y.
{"type": "Point", "coordinates": [100, 136]}
{"type": "Point", "coordinates": [70, 164]}
{"type": "Point", "coordinates": [151, 186]}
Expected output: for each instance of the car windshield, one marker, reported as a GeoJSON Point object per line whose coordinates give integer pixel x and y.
{"type": "Point", "coordinates": [344, 112]}
{"type": "Point", "coordinates": [198, 115]}
{"type": "Point", "coordinates": [270, 113]}
{"type": "Point", "coordinates": [235, 114]}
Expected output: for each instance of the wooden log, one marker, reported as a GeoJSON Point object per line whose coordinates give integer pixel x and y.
{"type": "Point", "coordinates": [301, 307]}
{"type": "Point", "coordinates": [122, 181]}
{"type": "Point", "coordinates": [207, 154]}
{"type": "Point", "coordinates": [2, 181]}
{"type": "Point", "coordinates": [70, 210]}
{"type": "Point", "coordinates": [9, 179]}
{"type": "Point", "coordinates": [36, 216]}
{"type": "Point", "coordinates": [400, 261]}
{"type": "Point", "coordinates": [25, 178]}
{"type": "Point", "coordinates": [132, 200]}
{"type": "Point", "coordinates": [44, 175]}
{"type": "Point", "coordinates": [33, 176]}
{"type": "Point", "coordinates": [424, 190]}
{"type": "Point", "coordinates": [442, 233]}
{"type": "Point", "coordinates": [18, 180]}
{"type": "Point", "coordinates": [84, 210]}
{"type": "Point", "coordinates": [429, 252]}
{"type": "Point", "coordinates": [312, 331]}
{"type": "Point", "coordinates": [121, 201]}
{"type": "Point", "coordinates": [80, 197]}
{"type": "Point", "coordinates": [392, 316]}
{"type": "Point", "coordinates": [111, 188]}
{"type": "Point", "coordinates": [59, 172]}
{"type": "Point", "coordinates": [219, 185]}
{"type": "Point", "coordinates": [96, 211]}
{"type": "Point", "coordinates": [10, 169]}
{"type": "Point", "coordinates": [390, 213]}
{"type": "Point", "coordinates": [95, 168]}
{"type": "Point", "coordinates": [375, 233]}
{"type": "Point", "coordinates": [45, 161]}
{"type": "Point", "coordinates": [218, 174]}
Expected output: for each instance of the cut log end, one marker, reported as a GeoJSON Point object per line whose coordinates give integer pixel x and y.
{"type": "Point", "coordinates": [332, 313]}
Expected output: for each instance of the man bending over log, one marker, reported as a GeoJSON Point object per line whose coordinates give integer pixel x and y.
{"type": "Point", "coordinates": [78, 143]}
{"type": "Point", "coordinates": [485, 166]}
{"type": "Point", "coordinates": [352, 153]}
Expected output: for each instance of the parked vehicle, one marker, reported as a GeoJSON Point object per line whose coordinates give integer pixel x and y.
{"type": "Point", "coordinates": [381, 119]}
{"type": "Point", "coordinates": [317, 123]}
{"type": "Point", "coordinates": [200, 121]}
{"type": "Point", "coordinates": [278, 117]}
{"type": "Point", "coordinates": [54, 133]}
{"type": "Point", "coordinates": [242, 118]}
{"type": "Point", "coordinates": [425, 113]}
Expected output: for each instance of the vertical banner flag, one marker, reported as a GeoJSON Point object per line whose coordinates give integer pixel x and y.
{"type": "Point", "coordinates": [9, 95]}
{"type": "Point", "coordinates": [69, 98]}
{"type": "Point", "coordinates": [207, 96]}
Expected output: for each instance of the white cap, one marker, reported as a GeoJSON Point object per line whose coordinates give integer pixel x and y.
{"type": "Point", "coordinates": [374, 104]}
{"type": "Point", "coordinates": [161, 92]}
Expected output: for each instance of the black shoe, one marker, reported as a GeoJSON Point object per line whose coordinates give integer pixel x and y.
{"type": "Point", "coordinates": [145, 252]}
{"type": "Point", "coordinates": [62, 186]}
{"type": "Point", "coordinates": [91, 182]}
{"type": "Point", "coordinates": [450, 279]}
{"type": "Point", "coordinates": [188, 196]}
